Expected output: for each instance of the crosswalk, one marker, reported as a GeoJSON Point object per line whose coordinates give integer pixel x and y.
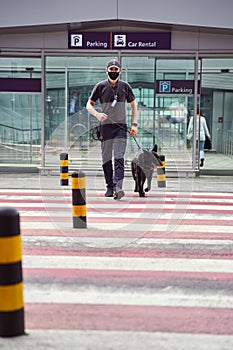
{"type": "Point", "coordinates": [158, 269]}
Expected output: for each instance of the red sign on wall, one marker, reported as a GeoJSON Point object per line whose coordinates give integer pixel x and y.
{"type": "Point", "coordinates": [220, 119]}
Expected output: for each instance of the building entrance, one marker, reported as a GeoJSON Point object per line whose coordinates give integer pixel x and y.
{"type": "Point", "coordinates": [163, 114]}
{"type": "Point", "coordinates": [35, 124]}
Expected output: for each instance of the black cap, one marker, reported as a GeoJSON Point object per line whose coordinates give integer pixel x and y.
{"type": "Point", "coordinates": [114, 63]}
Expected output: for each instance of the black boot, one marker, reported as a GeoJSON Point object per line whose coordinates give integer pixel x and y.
{"type": "Point", "coordinates": [109, 192]}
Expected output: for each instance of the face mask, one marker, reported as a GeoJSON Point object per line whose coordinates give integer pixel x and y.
{"type": "Point", "coordinates": [113, 75]}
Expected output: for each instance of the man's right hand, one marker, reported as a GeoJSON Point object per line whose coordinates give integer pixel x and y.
{"type": "Point", "coordinates": [101, 117]}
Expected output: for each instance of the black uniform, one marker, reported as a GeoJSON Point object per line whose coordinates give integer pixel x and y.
{"type": "Point", "coordinates": [113, 101]}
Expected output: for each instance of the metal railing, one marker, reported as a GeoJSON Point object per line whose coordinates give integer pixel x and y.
{"type": "Point", "coordinates": [228, 144]}
{"type": "Point", "coordinates": [225, 142]}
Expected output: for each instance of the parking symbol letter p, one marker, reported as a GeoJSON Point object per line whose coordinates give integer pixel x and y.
{"type": "Point", "coordinates": [164, 86]}
{"type": "Point", "coordinates": [76, 40]}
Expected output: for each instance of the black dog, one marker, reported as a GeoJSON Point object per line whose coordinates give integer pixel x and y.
{"type": "Point", "coordinates": [142, 167]}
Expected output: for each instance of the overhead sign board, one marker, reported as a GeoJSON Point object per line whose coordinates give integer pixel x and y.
{"type": "Point", "coordinates": [180, 87]}
{"type": "Point", "coordinates": [142, 41]}
{"type": "Point", "coordinates": [120, 41]}
{"type": "Point", "coordinates": [20, 84]}
{"type": "Point", "coordinates": [89, 40]}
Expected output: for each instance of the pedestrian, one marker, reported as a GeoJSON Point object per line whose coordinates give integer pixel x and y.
{"type": "Point", "coordinates": [113, 94]}
{"type": "Point", "coordinates": [201, 132]}
{"type": "Point", "coordinates": [73, 108]}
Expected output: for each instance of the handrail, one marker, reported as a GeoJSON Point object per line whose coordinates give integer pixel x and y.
{"type": "Point", "coordinates": [20, 129]}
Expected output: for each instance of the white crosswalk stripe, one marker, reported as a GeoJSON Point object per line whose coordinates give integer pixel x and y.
{"type": "Point", "coordinates": [161, 269]}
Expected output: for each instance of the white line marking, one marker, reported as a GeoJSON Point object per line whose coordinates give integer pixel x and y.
{"type": "Point", "coordinates": [124, 263]}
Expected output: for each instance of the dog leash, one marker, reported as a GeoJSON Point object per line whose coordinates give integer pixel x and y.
{"type": "Point", "coordinates": [139, 147]}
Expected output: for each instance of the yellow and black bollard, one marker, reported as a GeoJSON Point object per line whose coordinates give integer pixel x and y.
{"type": "Point", "coordinates": [11, 276]}
{"type": "Point", "coordinates": [79, 200]}
{"type": "Point", "coordinates": [64, 169]}
{"type": "Point", "coordinates": [161, 174]}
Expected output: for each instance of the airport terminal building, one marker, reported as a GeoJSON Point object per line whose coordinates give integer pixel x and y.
{"type": "Point", "coordinates": [177, 56]}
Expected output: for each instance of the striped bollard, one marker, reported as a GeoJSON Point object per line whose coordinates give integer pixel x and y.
{"type": "Point", "coordinates": [11, 276]}
{"type": "Point", "coordinates": [161, 175]}
{"type": "Point", "coordinates": [79, 200]}
{"type": "Point", "coordinates": [64, 171]}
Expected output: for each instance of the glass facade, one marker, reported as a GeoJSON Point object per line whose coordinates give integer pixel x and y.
{"type": "Point", "coordinates": [59, 117]}
{"type": "Point", "coordinates": [162, 118]}
{"type": "Point", "coordinates": [20, 111]}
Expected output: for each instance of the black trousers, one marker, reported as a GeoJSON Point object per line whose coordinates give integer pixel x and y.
{"type": "Point", "coordinates": [113, 147]}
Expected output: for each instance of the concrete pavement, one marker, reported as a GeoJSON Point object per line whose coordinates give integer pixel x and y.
{"type": "Point", "coordinates": [204, 183]}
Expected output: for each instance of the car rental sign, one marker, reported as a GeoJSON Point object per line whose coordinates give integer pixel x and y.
{"type": "Point", "coordinates": [120, 41]}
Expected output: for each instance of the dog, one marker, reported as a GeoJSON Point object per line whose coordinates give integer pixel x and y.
{"type": "Point", "coordinates": [142, 167]}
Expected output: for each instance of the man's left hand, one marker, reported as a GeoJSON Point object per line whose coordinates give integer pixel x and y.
{"type": "Point", "coordinates": [133, 130]}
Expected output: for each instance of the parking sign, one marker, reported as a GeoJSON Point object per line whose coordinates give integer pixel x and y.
{"type": "Point", "coordinates": [164, 86]}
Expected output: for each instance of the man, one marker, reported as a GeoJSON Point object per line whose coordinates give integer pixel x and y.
{"type": "Point", "coordinates": [113, 95]}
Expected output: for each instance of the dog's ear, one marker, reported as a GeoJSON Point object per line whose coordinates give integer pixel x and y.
{"type": "Point", "coordinates": [155, 148]}
{"type": "Point", "coordinates": [159, 162]}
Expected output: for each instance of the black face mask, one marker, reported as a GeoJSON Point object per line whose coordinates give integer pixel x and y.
{"type": "Point", "coordinates": [113, 75]}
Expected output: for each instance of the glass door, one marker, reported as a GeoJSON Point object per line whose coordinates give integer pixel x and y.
{"type": "Point", "coordinates": [217, 103]}
{"type": "Point", "coordinates": [68, 126]}
{"type": "Point", "coordinates": [164, 89]}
